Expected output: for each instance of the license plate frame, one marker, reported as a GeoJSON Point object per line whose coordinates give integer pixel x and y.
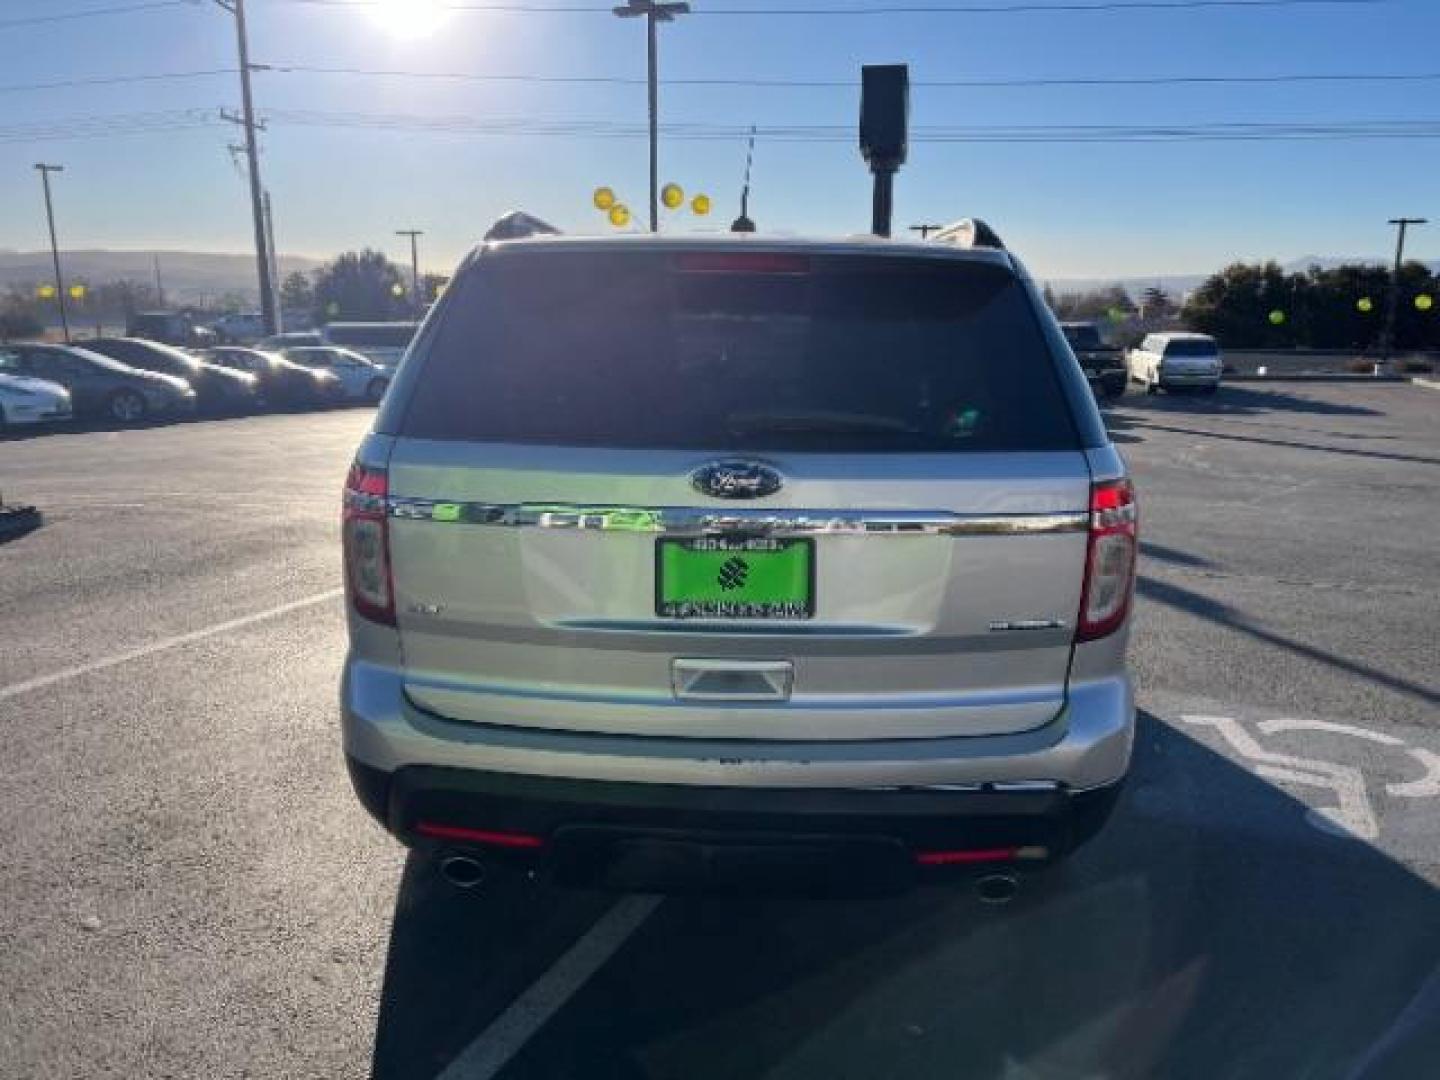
{"type": "Point", "coordinates": [784, 593]}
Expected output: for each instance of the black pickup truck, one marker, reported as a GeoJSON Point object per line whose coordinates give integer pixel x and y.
{"type": "Point", "coordinates": [1104, 365]}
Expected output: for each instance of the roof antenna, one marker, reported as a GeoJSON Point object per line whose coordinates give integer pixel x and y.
{"type": "Point", "coordinates": [743, 222]}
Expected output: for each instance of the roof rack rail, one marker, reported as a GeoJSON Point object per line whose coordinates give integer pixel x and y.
{"type": "Point", "coordinates": [970, 233]}
{"type": "Point", "coordinates": [517, 225]}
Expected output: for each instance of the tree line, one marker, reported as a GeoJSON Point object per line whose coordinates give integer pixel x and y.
{"type": "Point", "coordinates": [360, 286]}
{"type": "Point", "coordinates": [1262, 306]}
{"type": "Point", "coordinates": [1343, 307]}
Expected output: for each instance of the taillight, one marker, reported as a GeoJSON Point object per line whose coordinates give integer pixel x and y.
{"type": "Point", "coordinates": [1109, 560]}
{"type": "Point", "coordinates": [366, 537]}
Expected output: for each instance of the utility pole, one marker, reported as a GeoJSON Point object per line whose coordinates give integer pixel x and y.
{"type": "Point", "coordinates": [743, 223]}
{"type": "Point", "coordinates": [274, 264]}
{"type": "Point", "coordinates": [654, 12]}
{"type": "Point", "coordinates": [414, 235]}
{"type": "Point", "coordinates": [247, 120]}
{"type": "Point", "coordinates": [1392, 301]}
{"type": "Point", "coordinates": [45, 171]}
{"type": "Point", "coordinates": [925, 230]}
{"type": "Point", "coordinates": [159, 285]}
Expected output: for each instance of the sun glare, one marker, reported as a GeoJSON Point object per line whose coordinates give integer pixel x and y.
{"type": "Point", "coordinates": [410, 18]}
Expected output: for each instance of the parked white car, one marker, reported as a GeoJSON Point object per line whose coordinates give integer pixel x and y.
{"type": "Point", "coordinates": [24, 400]}
{"type": "Point", "coordinates": [362, 379]}
{"type": "Point", "coordinates": [1171, 361]}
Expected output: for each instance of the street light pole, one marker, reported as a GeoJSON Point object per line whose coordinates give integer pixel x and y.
{"type": "Point", "coordinates": [654, 11]}
{"type": "Point", "coordinates": [1392, 300]}
{"type": "Point", "coordinates": [414, 235]}
{"type": "Point", "coordinates": [45, 171]}
{"type": "Point", "coordinates": [247, 120]}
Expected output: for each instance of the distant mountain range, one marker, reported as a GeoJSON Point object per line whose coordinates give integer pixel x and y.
{"type": "Point", "coordinates": [194, 276]}
{"type": "Point", "coordinates": [189, 277]}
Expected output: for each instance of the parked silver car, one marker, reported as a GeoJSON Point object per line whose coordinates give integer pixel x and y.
{"type": "Point", "coordinates": [677, 560]}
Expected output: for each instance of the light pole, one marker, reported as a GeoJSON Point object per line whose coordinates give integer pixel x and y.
{"type": "Point", "coordinates": [654, 12]}
{"type": "Point", "coordinates": [45, 171]}
{"type": "Point", "coordinates": [1392, 300]}
{"type": "Point", "coordinates": [414, 235]}
{"type": "Point", "coordinates": [925, 230]}
{"type": "Point", "coordinates": [247, 120]}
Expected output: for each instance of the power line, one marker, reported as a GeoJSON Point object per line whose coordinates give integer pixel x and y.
{"type": "Point", "coordinates": [760, 83]}
{"type": "Point", "coordinates": [93, 126]}
{"type": "Point", "coordinates": [1051, 6]}
{"type": "Point", "coordinates": [89, 13]}
{"type": "Point", "coordinates": [843, 84]}
{"type": "Point", "coordinates": [115, 80]}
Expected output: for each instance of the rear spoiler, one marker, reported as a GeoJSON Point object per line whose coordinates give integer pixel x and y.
{"type": "Point", "coordinates": [970, 233]}
{"type": "Point", "coordinates": [517, 225]}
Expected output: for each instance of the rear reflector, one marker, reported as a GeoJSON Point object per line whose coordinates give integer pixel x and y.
{"type": "Point", "coordinates": [742, 262]}
{"type": "Point", "coordinates": [489, 837]}
{"type": "Point", "coordinates": [973, 855]}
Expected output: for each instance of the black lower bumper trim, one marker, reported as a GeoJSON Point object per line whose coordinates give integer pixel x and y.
{"type": "Point", "coordinates": [632, 835]}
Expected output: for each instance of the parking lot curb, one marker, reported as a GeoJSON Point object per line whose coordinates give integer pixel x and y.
{"type": "Point", "coordinates": [16, 521]}
{"type": "Point", "coordinates": [1337, 378]}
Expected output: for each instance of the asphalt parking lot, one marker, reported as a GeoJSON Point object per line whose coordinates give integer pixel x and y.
{"type": "Point", "coordinates": [187, 887]}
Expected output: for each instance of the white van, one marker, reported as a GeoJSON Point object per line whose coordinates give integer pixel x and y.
{"type": "Point", "coordinates": [1174, 360]}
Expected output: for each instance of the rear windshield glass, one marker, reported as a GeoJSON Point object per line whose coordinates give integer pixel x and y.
{"type": "Point", "coordinates": [1083, 337]}
{"type": "Point", "coordinates": [1191, 347]}
{"type": "Point", "coordinates": [381, 335]}
{"type": "Point", "coordinates": [742, 351]}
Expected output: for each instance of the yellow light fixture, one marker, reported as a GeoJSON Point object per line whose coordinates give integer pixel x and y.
{"type": "Point", "coordinates": [604, 198]}
{"type": "Point", "coordinates": [673, 196]}
{"type": "Point", "coordinates": [77, 292]}
{"type": "Point", "coordinates": [700, 204]}
{"type": "Point", "coordinates": [1277, 317]}
{"type": "Point", "coordinates": [46, 292]}
{"type": "Point", "coordinates": [1424, 302]}
{"type": "Point", "coordinates": [1365, 305]}
{"type": "Point", "coordinates": [619, 215]}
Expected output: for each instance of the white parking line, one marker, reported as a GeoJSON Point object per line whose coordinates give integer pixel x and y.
{"type": "Point", "coordinates": [54, 677]}
{"type": "Point", "coordinates": [527, 1014]}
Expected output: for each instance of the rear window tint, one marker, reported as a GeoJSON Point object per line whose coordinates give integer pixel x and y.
{"type": "Point", "coordinates": [743, 351]}
{"type": "Point", "coordinates": [376, 335]}
{"type": "Point", "coordinates": [1191, 347]}
{"type": "Point", "coordinates": [1083, 337]}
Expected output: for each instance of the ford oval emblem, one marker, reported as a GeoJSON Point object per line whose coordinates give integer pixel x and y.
{"type": "Point", "coordinates": [736, 480]}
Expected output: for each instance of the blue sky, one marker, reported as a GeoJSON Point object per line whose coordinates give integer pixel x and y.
{"type": "Point", "coordinates": [1072, 211]}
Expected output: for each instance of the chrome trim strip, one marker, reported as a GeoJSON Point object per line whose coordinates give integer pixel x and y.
{"type": "Point", "coordinates": [699, 521]}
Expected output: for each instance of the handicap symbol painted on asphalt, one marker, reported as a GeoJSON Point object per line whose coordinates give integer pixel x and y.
{"type": "Point", "coordinates": [1353, 816]}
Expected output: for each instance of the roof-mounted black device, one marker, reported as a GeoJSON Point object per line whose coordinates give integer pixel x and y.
{"type": "Point", "coordinates": [517, 225]}
{"type": "Point", "coordinates": [970, 233]}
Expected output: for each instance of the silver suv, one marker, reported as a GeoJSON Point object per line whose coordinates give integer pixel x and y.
{"type": "Point", "coordinates": [678, 561]}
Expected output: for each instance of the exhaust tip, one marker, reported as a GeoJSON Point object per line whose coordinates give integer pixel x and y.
{"type": "Point", "coordinates": [997, 888]}
{"type": "Point", "coordinates": [462, 871]}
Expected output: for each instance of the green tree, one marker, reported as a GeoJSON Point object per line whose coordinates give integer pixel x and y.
{"type": "Point", "coordinates": [431, 285]}
{"type": "Point", "coordinates": [362, 286]}
{"type": "Point", "coordinates": [1260, 306]}
{"type": "Point", "coordinates": [296, 293]}
{"type": "Point", "coordinates": [1095, 304]}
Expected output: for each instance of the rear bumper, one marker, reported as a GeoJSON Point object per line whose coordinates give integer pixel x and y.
{"type": "Point", "coordinates": [676, 837]}
{"type": "Point", "coordinates": [587, 797]}
{"type": "Point", "coordinates": [1176, 379]}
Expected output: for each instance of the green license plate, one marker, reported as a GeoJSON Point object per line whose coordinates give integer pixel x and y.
{"type": "Point", "coordinates": [712, 577]}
